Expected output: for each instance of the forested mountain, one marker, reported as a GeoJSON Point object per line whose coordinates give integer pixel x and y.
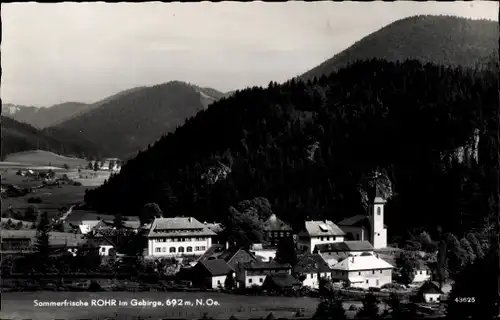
{"type": "Point", "coordinates": [17, 136]}
{"type": "Point", "coordinates": [41, 117]}
{"type": "Point", "coordinates": [446, 40]}
{"type": "Point", "coordinates": [306, 146]}
{"type": "Point", "coordinates": [133, 120]}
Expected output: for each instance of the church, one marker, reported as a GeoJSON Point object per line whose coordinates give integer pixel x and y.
{"type": "Point", "coordinates": [369, 227]}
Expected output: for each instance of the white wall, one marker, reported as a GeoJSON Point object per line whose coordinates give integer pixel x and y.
{"type": "Point", "coordinates": [380, 239]}
{"type": "Point", "coordinates": [254, 280]}
{"type": "Point", "coordinates": [371, 278]}
{"type": "Point", "coordinates": [267, 255]}
{"type": "Point", "coordinates": [359, 233]}
{"type": "Point", "coordinates": [432, 297]}
{"type": "Point", "coordinates": [312, 279]}
{"type": "Point", "coordinates": [218, 279]}
{"type": "Point", "coordinates": [422, 275]}
{"type": "Point", "coordinates": [313, 241]}
{"type": "Point", "coordinates": [164, 247]}
{"type": "Point", "coordinates": [104, 250]}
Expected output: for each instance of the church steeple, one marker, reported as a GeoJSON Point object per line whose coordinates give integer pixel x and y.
{"type": "Point", "coordinates": [376, 213]}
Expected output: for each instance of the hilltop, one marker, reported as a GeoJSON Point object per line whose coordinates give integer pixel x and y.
{"type": "Point", "coordinates": [446, 40]}
{"type": "Point", "coordinates": [43, 117]}
{"type": "Point", "coordinates": [307, 147]}
{"type": "Point", "coordinates": [17, 137]}
{"type": "Point", "coordinates": [131, 121]}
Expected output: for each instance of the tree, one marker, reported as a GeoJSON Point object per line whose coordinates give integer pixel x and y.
{"type": "Point", "coordinates": [330, 308]}
{"type": "Point", "coordinates": [370, 309]}
{"type": "Point", "coordinates": [111, 165]}
{"type": "Point", "coordinates": [42, 245]}
{"type": "Point", "coordinates": [119, 222]}
{"type": "Point", "coordinates": [96, 166]}
{"type": "Point", "coordinates": [230, 283]}
{"type": "Point", "coordinates": [66, 166]}
{"type": "Point", "coordinates": [286, 251]}
{"type": "Point", "coordinates": [244, 228]}
{"type": "Point", "coordinates": [476, 245]}
{"type": "Point", "coordinates": [32, 213]}
{"type": "Point", "coordinates": [150, 211]}
{"type": "Point", "coordinates": [408, 263]}
{"type": "Point", "coordinates": [457, 256]}
{"type": "Point", "coordinates": [90, 166]}
{"type": "Point", "coordinates": [467, 247]}
{"type": "Point", "coordinates": [394, 302]}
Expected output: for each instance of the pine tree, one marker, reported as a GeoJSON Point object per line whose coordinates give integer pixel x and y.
{"type": "Point", "coordinates": [330, 308]}
{"type": "Point", "coordinates": [42, 245]}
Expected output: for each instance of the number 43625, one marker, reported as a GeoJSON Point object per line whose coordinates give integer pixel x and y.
{"type": "Point", "coordinates": [465, 299]}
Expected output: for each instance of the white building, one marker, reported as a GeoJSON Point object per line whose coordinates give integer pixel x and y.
{"type": "Point", "coordinates": [254, 273]}
{"type": "Point", "coordinates": [104, 244]}
{"type": "Point", "coordinates": [212, 273]}
{"type": "Point", "coordinates": [178, 236]}
{"type": "Point", "coordinates": [319, 232]}
{"type": "Point", "coordinates": [368, 228]}
{"type": "Point", "coordinates": [265, 254]}
{"type": "Point", "coordinates": [422, 273]}
{"type": "Point", "coordinates": [310, 268]}
{"type": "Point", "coordinates": [430, 292]}
{"type": "Point", "coordinates": [363, 271]}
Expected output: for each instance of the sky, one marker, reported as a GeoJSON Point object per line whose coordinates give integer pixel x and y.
{"type": "Point", "coordinates": [59, 52]}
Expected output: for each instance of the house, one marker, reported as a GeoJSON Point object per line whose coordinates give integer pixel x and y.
{"type": "Point", "coordinates": [422, 273]}
{"type": "Point", "coordinates": [430, 292]}
{"type": "Point", "coordinates": [363, 271]}
{"type": "Point", "coordinates": [106, 246]}
{"type": "Point", "coordinates": [312, 267]}
{"type": "Point", "coordinates": [129, 223]}
{"type": "Point", "coordinates": [211, 273]}
{"type": "Point", "coordinates": [113, 164]}
{"type": "Point", "coordinates": [354, 248]}
{"type": "Point", "coordinates": [178, 236]}
{"type": "Point", "coordinates": [262, 252]}
{"type": "Point", "coordinates": [319, 232]}
{"type": "Point", "coordinates": [275, 230]}
{"type": "Point", "coordinates": [232, 256]}
{"type": "Point", "coordinates": [254, 273]}
{"type": "Point", "coordinates": [369, 227]}
{"type": "Point", "coordinates": [280, 282]}
{"type": "Point", "coordinates": [25, 240]}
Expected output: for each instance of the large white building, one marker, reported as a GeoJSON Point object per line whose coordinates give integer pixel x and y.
{"type": "Point", "coordinates": [319, 232]}
{"type": "Point", "coordinates": [178, 236]}
{"type": "Point", "coordinates": [368, 228]}
{"type": "Point", "coordinates": [363, 271]}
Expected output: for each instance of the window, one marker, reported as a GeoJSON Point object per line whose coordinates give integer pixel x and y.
{"type": "Point", "coordinates": [164, 249]}
{"type": "Point", "coordinates": [430, 298]}
{"type": "Point", "coordinates": [158, 250]}
{"type": "Point", "coordinates": [172, 250]}
{"type": "Point", "coordinates": [378, 211]}
{"type": "Point", "coordinates": [218, 281]}
{"type": "Point", "coordinates": [203, 248]}
{"type": "Point", "coordinates": [181, 249]}
{"type": "Point", "coordinates": [197, 248]}
{"type": "Point", "coordinates": [367, 281]}
{"type": "Point", "coordinates": [261, 280]}
{"type": "Point", "coordinates": [378, 282]}
{"type": "Point", "coordinates": [249, 280]}
{"type": "Point", "coordinates": [334, 238]}
{"type": "Point", "coordinates": [420, 271]}
{"type": "Point", "coordinates": [189, 249]}
{"type": "Point", "coordinates": [327, 238]}
{"type": "Point", "coordinates": [359, 273]}
{"type": "Point", "coordinates": [322, 238]}
{"type": "Point", "coordinates": [103, 249]}
{"type": "Point", "coordinates": [380, 271]}
{"type": "Point", "coordinates": [373, 271]}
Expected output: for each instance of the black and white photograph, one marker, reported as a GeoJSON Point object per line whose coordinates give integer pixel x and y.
{"type": "Point", "coordinates": [250, 160]}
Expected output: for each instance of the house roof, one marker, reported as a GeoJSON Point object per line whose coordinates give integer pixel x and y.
{"type": "Point", "coordinates": [266, 265]}
{"type": "Point", "coordinates": [216, 267]}
{"type": "Point", "coordinates": [363, 262]}
{"type": "Point", "coordinates": [128, 224]}
{"type": "Point", "coordinates": [215, 227]}
{"type": "Point", "coordinates": [332, 258]}
{"type": "Point", "coordinates": [430, 287]}
{"type": "Point", "coordinates": [100, 241]}
{"type": "Point", "coordinates": [311, 263]}
{"type": "Point", "coordinates": [345, 246]}
{"type": "Point", "coordinates": [55, 238]}
{"type": "Point", "coordinates": [273, 223]}
{"type": "Point", "coordinates": [323, 228]}
{"type": "Point", "coordinates": [179, 226]}
{"type": "Point", "coordinates": [359, 220]}
{"type": "Point", "coordinates": [282, 280]}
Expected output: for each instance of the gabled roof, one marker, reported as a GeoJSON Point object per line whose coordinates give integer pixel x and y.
{"type": "Point", "coordinates": [179, 226]}
{"type": "Point", "coordinates": [323, 228]}
{"type": "Point", "coordinates": [266, 266]}
{"type": "Point", "coordinates": [282, 280]}
{"type": "Point", "coordinates": [216, 267]}
{"type": "Point", "coordinates": [127, 224]}
{"type": "Point", "coordinates": [345, 246]}
{"type": "Point", "coordinates": [430, 287]}
{"type": "Point", "coordinates": [273, 223]}
{"type": "Point", "coordinates": [359, 220]}
{"type": "Point", "coordinates": [311, 263]}
{"type": "Point", "coordinates": [364, 262]}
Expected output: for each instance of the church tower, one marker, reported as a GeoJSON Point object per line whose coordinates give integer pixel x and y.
{"type": "Point", "coordinates": [378, 232]}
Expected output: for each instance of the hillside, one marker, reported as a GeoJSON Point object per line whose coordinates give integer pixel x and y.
{"type": "Point", "coordinates": [135, 119]}
{"type": "Point", "coordinates": [17, 137]}
{"type": "Point", "coordinates": [308, 146]}
{"type": "Point", "coordinates": [44, 158]}
{"type": "Point", "coordinates": [41, 117]}
{"type": "Point", "coordinates": [443, 40]}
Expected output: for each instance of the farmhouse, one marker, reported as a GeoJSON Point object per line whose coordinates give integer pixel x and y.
{"type": "Point", "coordinates": [275, 229]}
{"type": "Point", "coordinates": [211, 273]}
{"type": "Point", "coordinates": [254, 273]}
{"type": "Point", "coordinates": [178, 236]}
{"type": "Point", "coordinates": [319, 232]}
{"type": "Point", "coordinates": [363, 271]}
{"type": "Point", "coordinates": [311, 268]}
{"type": "Point", "coordinates": [430, 292]}
{"type": "Point", "coordinates": [24, 240]}
{"type": "Point", "coordinates": [369, 227]}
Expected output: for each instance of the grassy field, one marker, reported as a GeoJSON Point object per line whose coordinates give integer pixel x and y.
{"type": "Point", "coordinates": [44, 158]}
{"type": "Point", "coordinates": [20, 305]}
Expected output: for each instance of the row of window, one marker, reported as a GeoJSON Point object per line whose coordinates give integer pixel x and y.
{"type": "Point", "coordinates": [181, 249]}
{"type": "Point", "coordinates": [260, 280]}
{"type": "Point", "coordinates": [279, 234]}
{"type": "Point", "coordinates": [180, 239]}
{"type": "Point", "coordinates": [334, 238]}
{"type": "Point", "coordinates": [177, 230]}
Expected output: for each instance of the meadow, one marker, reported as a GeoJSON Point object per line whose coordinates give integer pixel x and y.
{"type": "Point", "coordinates": [44, 158]}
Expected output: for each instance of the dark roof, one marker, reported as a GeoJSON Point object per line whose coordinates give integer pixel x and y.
{"type": "Point", "coordinates": [100, 241]}
{"type": "Point", "coordinates": [282, 280]}
{"type": "Point", "coordinates": [345, 246]}
{"type": "Point", "coordinates": [266, 265]}
{"type": "Point", "coordinates": [214, 251]}
{"type": "Point", "coordinates": [359, 220]}
{"type": "Point", "coordinates": [430, 287]}
{"type": "Point", "coordinates": [311, 263]}
{"type": "Point", "coordinates": [178, 226]}
{"type": "Point", "coordinates": [216, 267]}
{"type": "Point", "coordinates": [273, 223]}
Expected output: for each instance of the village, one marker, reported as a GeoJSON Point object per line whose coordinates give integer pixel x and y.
{"type": "Point", "coordinates": [351, 257]}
